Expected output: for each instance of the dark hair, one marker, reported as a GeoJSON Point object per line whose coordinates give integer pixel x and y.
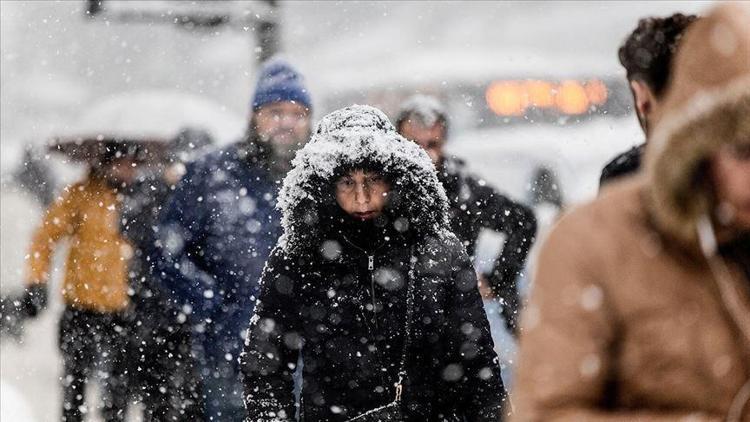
{"type": "Point", "coordinates": [647, 53]}
{"type": "Point", "coordinates": [365, 166]}
{"type": "Point", "coordinates": [108, 153]}
{"type": "Point", "coordinates": [189, 143]}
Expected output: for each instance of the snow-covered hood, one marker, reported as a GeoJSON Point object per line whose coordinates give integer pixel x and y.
{"type": "Point", "coordinates": [347, 138]}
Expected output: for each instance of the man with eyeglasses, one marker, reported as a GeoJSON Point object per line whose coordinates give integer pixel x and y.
{"type": "Point", "coordinates": [474, 204]}
{"type": "Point", "coordinates": [217, 231]}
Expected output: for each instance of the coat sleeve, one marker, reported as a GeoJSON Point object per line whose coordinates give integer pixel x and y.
{"type": "Point", "coordinates": [472, 363]}
{"type": "Point", "coordinates": [178, 254]}
{"type": "Point", "coordinates": [569, 331]}
{"type": "Point", "coordinates": [518, 223]}
{"type": "Point", "coordinates": [272, 346]}
{"type": "Point", "coordinates": [59, 221]}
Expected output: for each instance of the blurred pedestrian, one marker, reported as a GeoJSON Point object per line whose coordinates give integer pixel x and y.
{"type": "Point", "coordinates": [474, 205]}
{"type": "Point", "coordinates": [641, 304]}
{"type": "Point", "coordinates": [162, 372]}
{"type": "Point", "coordinates": [646, 56]}
{"type": "Point", "coordinates": [371, 288]}
{"type": "Point", "coordinates": [220, 226]}
{"type": "Point", "coordinates": [35, 177]}
{"type": "Point", "coordinates": [95, 287]}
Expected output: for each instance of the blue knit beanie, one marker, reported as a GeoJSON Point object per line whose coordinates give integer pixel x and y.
{"type": "Point", "coordinates": [279, 81]}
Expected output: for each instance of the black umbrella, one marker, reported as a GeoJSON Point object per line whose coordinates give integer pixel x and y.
{"type": "Point", "coordinates": [92, 149]}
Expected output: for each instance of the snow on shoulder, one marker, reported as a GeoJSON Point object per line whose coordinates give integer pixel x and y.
{"type": "Point", "coordinates": [347, 138]}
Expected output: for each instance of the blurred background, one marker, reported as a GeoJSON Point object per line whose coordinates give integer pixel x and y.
{"type": "Point", "coordinates": [529, 86]}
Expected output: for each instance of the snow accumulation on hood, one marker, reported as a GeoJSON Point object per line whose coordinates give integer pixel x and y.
{"type": "Point", "coordinates": [352, 137]}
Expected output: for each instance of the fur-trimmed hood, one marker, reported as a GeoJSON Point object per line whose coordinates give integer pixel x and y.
{"type": "Point", "coordinates": [351, 137]}
{"type": "Point", "coordinates": [706, 106]}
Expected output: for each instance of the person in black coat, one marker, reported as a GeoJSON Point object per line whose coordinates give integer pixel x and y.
{"type": "Point", "coordinates": [162, 371]}
{"type": "Point", "coordinates": [367, 256]}
{"type": "Point", "coordinates": [474, 204]}
{"type": "Point", "coordinates": [646, 56]}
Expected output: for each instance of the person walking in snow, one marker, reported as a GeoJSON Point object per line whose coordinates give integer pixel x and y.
{"type": "Point", "coordinates": [369, 286]}
{"type": "Point", "coordinates": [95, 288]}
{"type": "Point", "coordinates": [474, 205]}
{"type": "Point", "coordinates": [162, 372]}
{"type": "Point", "coordinates": [647, 317]}
{"type": "Point", "coordinates": [646, 56]}
{"type": "Point", "coordinates": [220, 226]}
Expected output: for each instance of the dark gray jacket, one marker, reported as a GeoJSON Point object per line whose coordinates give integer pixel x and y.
{"type": "Point", "coordinates": [475, 205]}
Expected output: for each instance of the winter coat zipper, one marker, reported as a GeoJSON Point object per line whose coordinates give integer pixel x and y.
{"type": "Point", "coordinates": [371, 270]}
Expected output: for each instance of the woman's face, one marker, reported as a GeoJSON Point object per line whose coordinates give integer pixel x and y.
{"type": "Point", "coordinates": [362, 194]}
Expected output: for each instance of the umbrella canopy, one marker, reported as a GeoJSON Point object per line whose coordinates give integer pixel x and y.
{"type": "Point", "coordinates": [92, 149]}
{"type": "Point", "coordinates": [142, 123]}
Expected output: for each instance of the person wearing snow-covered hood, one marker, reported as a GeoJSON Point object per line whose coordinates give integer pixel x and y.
{"type": "Point", "coordinates": [474, 205]}
{"type": "Point", "coordinates": [647, 317]}
{"type": "Point", "coordinates": [369, 286]}
{"type": "Point", "coordinates": [220, 226]}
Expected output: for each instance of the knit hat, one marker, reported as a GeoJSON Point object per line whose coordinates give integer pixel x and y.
{"type": "Point", "coordinates": [279, 81]}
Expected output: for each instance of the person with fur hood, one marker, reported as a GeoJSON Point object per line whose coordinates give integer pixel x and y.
{"type": "Point", "coordinates": [649, 314]}
{"type": "Point", "coordinates": [370, 288]}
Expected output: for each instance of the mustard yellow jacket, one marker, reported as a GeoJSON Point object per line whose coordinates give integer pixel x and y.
{"type": "Point", "coordinates": [87, 214]}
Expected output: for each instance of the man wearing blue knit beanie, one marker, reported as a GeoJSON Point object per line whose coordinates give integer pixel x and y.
{"type": "Point", "coordinates": [281, 112]}
{"type": "Point", "coordinates": [217, 231]}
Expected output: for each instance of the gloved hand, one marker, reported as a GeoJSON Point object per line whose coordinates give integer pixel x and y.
{"type": "Point", "coordinates": [15, 310]}
{"type": "Point", "coordinates": [34, 300]}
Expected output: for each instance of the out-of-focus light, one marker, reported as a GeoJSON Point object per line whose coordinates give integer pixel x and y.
{"type": "Point", "coordinates": [596, 92]}
{"type": "Point", "coordinates": [507, 98]}
{"type": "Point", "coordinates": [541, 94]}
{"type": "Point", "coordinates": [571, 98]}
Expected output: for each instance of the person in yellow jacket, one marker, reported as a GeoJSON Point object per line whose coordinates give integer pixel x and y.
{"type": "Point", "coordinates": [95, 287]}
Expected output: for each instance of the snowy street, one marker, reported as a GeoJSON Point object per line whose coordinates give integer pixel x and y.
{"type": "Point", "coordinates": [172, 173]}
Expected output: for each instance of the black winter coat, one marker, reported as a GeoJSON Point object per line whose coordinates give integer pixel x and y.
{"type": "Point", "coordinates": [346, 318]}
{"type": "Point", "coordinates": [144, 200]}
{"type": "Point", "coordinates": [334, 293]}
{"type": "Point", "coordinates": [624, 164]}
{"type": "Point", "coordinates": [474, 206]}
